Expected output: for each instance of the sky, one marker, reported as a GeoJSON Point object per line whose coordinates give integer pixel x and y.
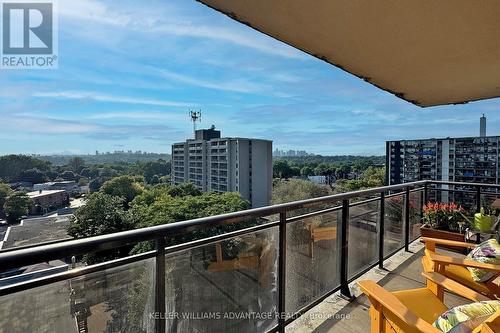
{"type": "Point", "coordinates": [130, 71]}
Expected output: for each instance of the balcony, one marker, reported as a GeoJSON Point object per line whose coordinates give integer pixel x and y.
{"type": "Point", "coordinates": [284, 279]}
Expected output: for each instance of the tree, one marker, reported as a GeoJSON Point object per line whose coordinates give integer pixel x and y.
{"type": "Point", "coordinates": [153, 168]}
{"type": "Point", "coordinates": [183, 190]}
{"type": "Point", "coordinates": [11, 166]}
{"type": "Point", "coordinates": [307, 171]}
{"type": "Point", "coordinates": [297, 189]}
{"type": "Point", "coordinates": [76, 164]}
{"type": "Point", "coordinates": [33, 176]}
{"type": "Point", "coordinates": [16, 205]}
{"type": "Point", "coordinates": [156, 206]}
{"type": "Point", "coordinates": [5, 191]}
{"type": "Point", "coordinates": [68, 175]}
{"type": "Point", "coordinates": [126, 187]}
{"type": "Point", "coordinates": [372, 177]}
{"type": "Point", "coordinates": [95, 184]}
{"type": "Point", "coordinates": [101, 214]}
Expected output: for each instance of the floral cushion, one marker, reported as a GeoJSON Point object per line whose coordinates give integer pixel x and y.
{"type": "Point", "coordinates": [487, 252]}
{"type": "Point", "coordinates": [464, 318]}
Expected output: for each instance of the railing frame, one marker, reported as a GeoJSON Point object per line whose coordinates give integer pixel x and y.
{"type": "Point", "coordinates": [45, 252]}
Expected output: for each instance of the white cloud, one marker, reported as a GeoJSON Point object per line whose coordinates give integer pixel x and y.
{"type": "Point", "coordinates": [139, 115]}
{"type": "Point", "coordinates": [241, 85]}
{"type": "Point", "coordinates": [170, 21]}
{"type": "Point", "coordinates": [85, 95]}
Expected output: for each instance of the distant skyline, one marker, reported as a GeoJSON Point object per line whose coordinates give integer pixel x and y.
{"type": "Point", "coordinates": [129, 72]}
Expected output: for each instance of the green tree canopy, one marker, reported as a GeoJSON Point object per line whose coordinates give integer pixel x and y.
{"type": "Point", "coordinates": [101, 214]}
{"type": "Point", "coordinates": [372, 177]}
{"type": "Point", "coordinates": [5, 191]}
{"type": "Point", "coordinates": [296, 189]}
{"type": "Point", "coordinates": [126, 187]}
{"type": "Point", "coordinates": [33, 176]}
{"type": "Point", "coordinates": [11, 166]}
{"type": "Point", "coordinates": [76, 164]}
{"type": "Point", "coordinates": [16, 205]}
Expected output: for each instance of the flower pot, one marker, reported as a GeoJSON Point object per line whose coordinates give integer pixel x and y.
{"type": "Point", "coordinates": [441, 234]}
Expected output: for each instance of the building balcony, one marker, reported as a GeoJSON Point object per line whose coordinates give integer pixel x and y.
{"type": "Point", "coordinates": [283, 278]}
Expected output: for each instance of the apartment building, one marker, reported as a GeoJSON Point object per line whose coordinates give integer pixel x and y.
{"type": "Point", "coordinates": [468, 159]}
{"type": "Point", "coordinates": [216, 164]}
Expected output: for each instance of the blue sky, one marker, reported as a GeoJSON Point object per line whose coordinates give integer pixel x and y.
{"type": "Point", "coordinates": [129, 71]}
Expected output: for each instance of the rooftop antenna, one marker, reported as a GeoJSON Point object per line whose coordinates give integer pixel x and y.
{"type": "Point", "coordinates": [195, 116]}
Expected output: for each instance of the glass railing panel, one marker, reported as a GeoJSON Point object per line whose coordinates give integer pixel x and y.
{"type": "Point", "coordinates": [119, 299]}
{"type": "Point", "coordinates": [228, 286]}
{"type": "Point", "coordinates": [312, 261]}
{"type": "Point", "coordinates": [362, 236]}
{"type": "Point", "coordinates": [394, 223]}
{"type": "Point", "coordinates": [487, 200]}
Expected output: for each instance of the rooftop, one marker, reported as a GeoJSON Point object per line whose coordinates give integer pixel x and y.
{"type": "Point", "coordinates": [37, 230]}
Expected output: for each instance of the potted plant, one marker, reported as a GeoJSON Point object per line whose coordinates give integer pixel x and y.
{"type": "Point", "coordinates": [483, 221]}
{"type": "Point", "coordinates": [444, 221]}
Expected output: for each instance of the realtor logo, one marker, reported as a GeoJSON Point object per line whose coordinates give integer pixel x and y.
{"type": "Point", "coordinates": [28, 34]}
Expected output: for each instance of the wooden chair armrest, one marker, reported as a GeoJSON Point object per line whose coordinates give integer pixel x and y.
{"type": "Point", "coordinates": [455, 287]}
{"type": "Point", "coordinates": [447, 260]}
{"type": "Point", "coordinates": [392, 305]}
{"type": "Point", "coordinates": [447, 242]}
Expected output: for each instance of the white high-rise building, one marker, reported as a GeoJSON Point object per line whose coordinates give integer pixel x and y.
{"type": "Point", "coordinates": [216, 164]}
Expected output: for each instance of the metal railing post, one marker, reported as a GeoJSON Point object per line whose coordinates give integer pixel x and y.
{"type": "Point", "coordinates": [381, 232]}
{"type": "Point", "coordinates": [344, 262]}
{"type": "Point", "coordinates": [282, 273]}
{"type": "Point", "coordinates": [426, 193]}
{"type": "Point", "coordinates": [422, 205]}
{"type": "Point", "coordinates": [160, 309]}
{"type": "Point", "coordinates": [478, 199]}
{"type": "Point", "coordinates": [407, 219]}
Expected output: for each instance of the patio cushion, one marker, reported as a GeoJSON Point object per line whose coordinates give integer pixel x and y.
{"type": "Point", "coordinates": [487, 252]}
{"type": "Point", "coordinates": [462, 275]}
{"type": "Point", "coordinates": [464, 318]}
{"type": "Point", "coordinates": [422, 302]}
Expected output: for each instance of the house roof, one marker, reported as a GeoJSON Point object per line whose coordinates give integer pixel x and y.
{"type": "Point", "coordinates": [425, 52]}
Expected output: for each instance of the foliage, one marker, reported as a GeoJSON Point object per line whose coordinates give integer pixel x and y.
{"type": "Point", "coordinates": [76, 163]}
{"type": "Point", "coordinates": [371, 177]}
{"type": "Point", "coordinates": [68, 175]}
{"type": "Point", "coordinates": [101, 214]}
{"type": "Point", "coordinates": [296, 189]}
{"type": "Point", "coordinates": [33, 176]}
{"type": "Point", "coordinates": [445, 216]}
{"type": "Point", "coordinates": [157, 206]}
{"type": "Point", "coordinates": [5, 191]}
{"type": "Point", "coordinates": [11, 166]}
{"type": "Point", "coordinates": [126, 187]}
{"type": "Point", "coordinates": [16, 205]}
{"type": "Point", "coordinates": [337, 166]}
{"type": "Point", "coordinates": [128, 157]}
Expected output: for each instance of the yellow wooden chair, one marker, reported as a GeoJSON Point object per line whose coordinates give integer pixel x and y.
{"type": "Point", "coordinates": [412, 311]}
{"type": "Point", "coordinates": [454, 266]}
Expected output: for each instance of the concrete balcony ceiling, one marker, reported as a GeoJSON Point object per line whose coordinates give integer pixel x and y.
{"type": "Point", "coordinates": [424, 51]}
